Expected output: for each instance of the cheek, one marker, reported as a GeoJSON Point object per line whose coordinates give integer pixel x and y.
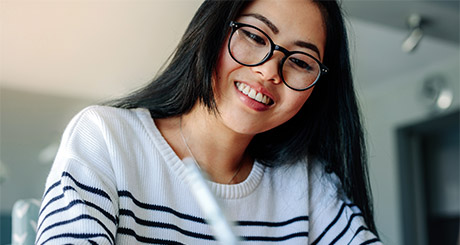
{"type": "Point", "coordinates": [295, 102]}
{"type": "Point", "coordinates": [225, 65]}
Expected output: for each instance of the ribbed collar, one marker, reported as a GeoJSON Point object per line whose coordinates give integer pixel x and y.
{"type": "Point", "coordinates": [223, 191]}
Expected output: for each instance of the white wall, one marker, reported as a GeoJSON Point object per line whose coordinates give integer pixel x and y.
{"type": "Point", "coordinates": [388, 83]}
{"type": "Point", "coordinates": [88, 48]}
{"type": "Point", "coordinates": [395, 103]}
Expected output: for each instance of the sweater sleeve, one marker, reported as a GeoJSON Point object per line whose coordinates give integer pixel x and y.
{"type": "Point", "coordinates": [333, 218]}
{"type": "Point", "coordinates": [80, 203]}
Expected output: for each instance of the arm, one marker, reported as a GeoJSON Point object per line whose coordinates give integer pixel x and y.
{"type": "Point", "coordinates": [333, 218]}
{"type": "Point", "coordinates": [80, 204]}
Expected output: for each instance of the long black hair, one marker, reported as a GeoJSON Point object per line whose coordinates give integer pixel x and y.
{"type": "Point", "coordinates": [327, 127]}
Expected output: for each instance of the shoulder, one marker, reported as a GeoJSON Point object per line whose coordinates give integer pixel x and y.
{"type": "Point", "coordinates": [106, 119]}
{"type": "Point", "coordinates": [325, 190]}
{"type": "Point", "coordinates": [106, 114]}
{"type": "Point", "coordinates": [101, 139]}
{"type": "Point", "coordinates": [103, 129]}
{"type": "Point", "coordinates": [309, 174]}
{"type": "Point", "coordinates": [323, 185]}
{"type": "Point", "coordinates": [333, 217]}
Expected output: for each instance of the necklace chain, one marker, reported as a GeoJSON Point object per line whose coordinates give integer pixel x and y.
{"type": "Point", "coordinates": [193, 157]}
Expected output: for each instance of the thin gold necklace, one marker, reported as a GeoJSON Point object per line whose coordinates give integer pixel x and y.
{"type": "Point", "coordinates": [193, 157]}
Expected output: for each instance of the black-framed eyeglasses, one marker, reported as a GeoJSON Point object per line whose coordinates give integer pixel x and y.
{"type": "Point", "coordinates": [250, 46]}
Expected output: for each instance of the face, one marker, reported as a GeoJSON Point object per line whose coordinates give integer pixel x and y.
{"type": "Point", "coordinates": [291, 24]}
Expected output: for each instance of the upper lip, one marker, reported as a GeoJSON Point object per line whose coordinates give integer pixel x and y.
{"type": "Point", "coordinates": [259, 88]}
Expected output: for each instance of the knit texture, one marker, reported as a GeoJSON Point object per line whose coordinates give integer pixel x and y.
{"type": "Point", "coordinates": [115, 180]}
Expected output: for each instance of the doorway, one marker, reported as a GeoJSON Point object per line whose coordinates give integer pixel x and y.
{"type": "Point", "coordinates": [429, 164]}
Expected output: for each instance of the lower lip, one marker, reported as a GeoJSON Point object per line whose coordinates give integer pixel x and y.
{"type": "Point", "coordinates": [255, 105]}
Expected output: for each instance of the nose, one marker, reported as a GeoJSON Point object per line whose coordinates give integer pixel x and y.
{"type": "Point", "coordinates": [269, 70]}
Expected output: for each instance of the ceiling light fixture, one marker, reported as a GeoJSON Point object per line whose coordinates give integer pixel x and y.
{"type": "Point", "coordinates": [414, 21]}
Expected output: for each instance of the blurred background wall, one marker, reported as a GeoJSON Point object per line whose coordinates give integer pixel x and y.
{"type": "Point", "coordinates": [57, 57]}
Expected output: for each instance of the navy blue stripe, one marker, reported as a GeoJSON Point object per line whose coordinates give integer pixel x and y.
{"type": "Point", "coordinates": [331, 224]}
{"type": "Point", "coordinates": [203, 221]}
{"type": "Point", "coordinates": [86, 187]}
{"type": "Point", "coordinates": [272, 224]}
{"type": "Point", "coordinates": [124, 212]}
{"type": "Point", "coordinates": [160, 208]}
{"type": "Point", "coordinates": [361, 228]}
{"type": "Point", "coordinates": [126, 231]}
{"type": "Point", "coordinates": [76, 235]}
{"type": "Point", "coordinates": [275, 239]}
{"type": "Point", "coordinates": [84, 216]}
{"type": "Point", "coordinates": [74, 202]}
{"type": "Point", "coordinates": [52, 187]}
{"type": "Point", "coordinates": [164, 226]}
{"type": "Point", "coordinates": [66, 188]}
{"type": "Point", "coordinates": [370, 241]}
{"type": "Point", "coordinates": [51, 201]}
{"type": "Point", "coordinates": [92, 242]}
{"type": "Point", "coordinates": [346, 227]}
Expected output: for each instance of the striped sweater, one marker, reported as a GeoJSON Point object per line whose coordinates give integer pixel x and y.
{"type": "Point", "coordinates": [115, 180]}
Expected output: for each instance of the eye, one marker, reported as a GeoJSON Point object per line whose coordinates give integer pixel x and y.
{"type": "Point", "coordinates": [301, 64]}
{"type": "Point", "coordinates": [253, 37]}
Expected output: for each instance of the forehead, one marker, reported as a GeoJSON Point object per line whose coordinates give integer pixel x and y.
{"type": "Point", "coordinates": [295, 19]}
{"type": "Point", "coordinates": [294, 9]}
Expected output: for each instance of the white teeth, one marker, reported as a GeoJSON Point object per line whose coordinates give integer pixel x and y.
{"type": "Point", "coordinates": [252, 93]}
{"type": "Point", "coordinates": [259, 97]}
{"type": "Point", "coordinates": [265, 100]}
{"type": "Point", "coordinates": [246, 90]}
{"type": "Point", "coordinates": [240, 86]}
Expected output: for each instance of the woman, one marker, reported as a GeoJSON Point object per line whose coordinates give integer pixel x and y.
{"type": "Point", "coordinates": [260, 95]}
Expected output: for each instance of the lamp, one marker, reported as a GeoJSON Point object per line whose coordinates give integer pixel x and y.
{"type": "Point", "coordinates": [437, 93]}
{"type": "Point", "coordinates": [414, 21]}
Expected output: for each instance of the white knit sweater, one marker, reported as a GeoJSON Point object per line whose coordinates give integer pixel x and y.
{"type": "Point", "coordinates": [116, 180]}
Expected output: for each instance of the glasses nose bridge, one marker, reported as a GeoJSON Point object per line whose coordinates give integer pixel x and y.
{"type": "Point", "coordinates": [277, 47]}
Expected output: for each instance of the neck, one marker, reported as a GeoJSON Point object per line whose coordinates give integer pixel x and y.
{"type": "Point", "coordinates": [218, 150]}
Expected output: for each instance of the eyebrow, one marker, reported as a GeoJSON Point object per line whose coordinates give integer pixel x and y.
{"type": "Point", "coordinates": [308, 45]}
{"type": "Point", "coordinates": [275, 30]}
{"type": "Point", "coordinates": [264, 20]}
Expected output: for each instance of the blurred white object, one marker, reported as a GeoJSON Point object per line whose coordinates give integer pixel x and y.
{"type": "Point", "coordinates": [414, 22]}
{"type": "Point", "coordinates": [215, 216]}
{"type": "Point", "coordinates": [437, 93]}
{"type": "Point", "coordinates": [24, 218]}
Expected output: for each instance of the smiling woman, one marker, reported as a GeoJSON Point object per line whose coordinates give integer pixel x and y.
{"type": "Point", "coordinates": [259, 94]}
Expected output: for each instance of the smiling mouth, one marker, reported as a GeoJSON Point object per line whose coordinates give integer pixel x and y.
{"type": "Point", "coordinates": [253, 94]}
